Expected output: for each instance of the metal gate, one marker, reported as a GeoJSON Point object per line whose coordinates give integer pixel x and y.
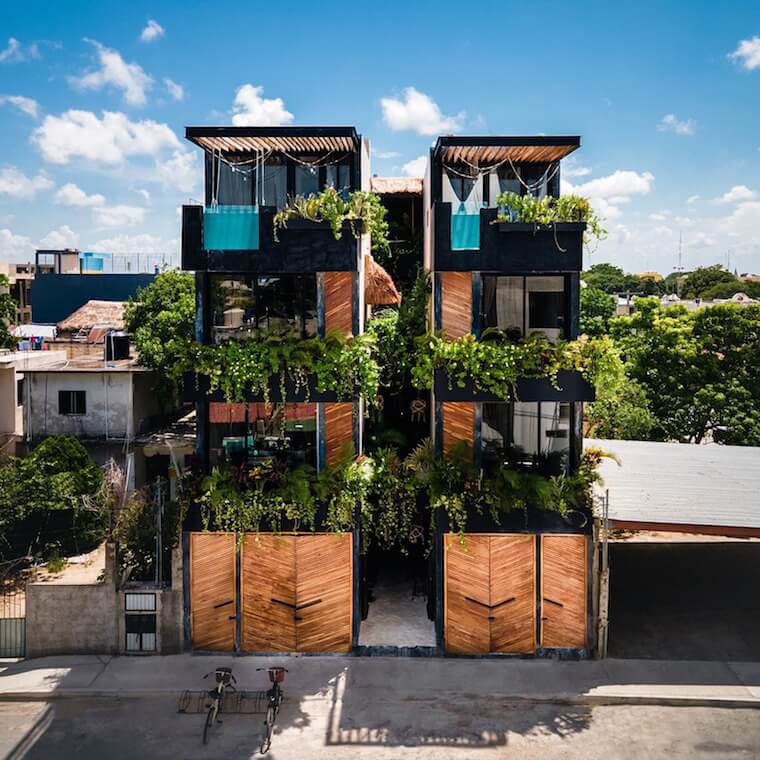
{"type": "Point", "coordinates": [12, 610]}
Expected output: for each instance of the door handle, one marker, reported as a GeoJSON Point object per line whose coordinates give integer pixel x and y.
{"type": "Point", "coordinates": [475, 601]}
{"type": "Point", "coordinates": [308, 604]}
{"type": "Point", "coordinates": [284, 604]}
{"type": "Point", "coordinates": [551, 601]}
{"type": "Point", "coordinates": [224, 604]}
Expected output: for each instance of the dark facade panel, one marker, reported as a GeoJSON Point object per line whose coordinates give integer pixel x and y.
{"type": "Point", "coordinates": [55, 296]}
{"type": "Point", "coordinates": [302, 247]}
{"type": "Point", "coordinates": [195, 388]}
{"type": "Point", "coordinates": [532, 520]}
{"type": "Point", "coordinates": [572, 387]}
{"type": "Point", "coordinates": [509, 248]}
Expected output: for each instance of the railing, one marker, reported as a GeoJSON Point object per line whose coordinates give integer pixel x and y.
{"type": "Point", "coordinates": [231, 228]}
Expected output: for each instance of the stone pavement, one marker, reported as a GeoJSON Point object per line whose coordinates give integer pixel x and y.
{"type": "Point", "coordinates": [596, 682]}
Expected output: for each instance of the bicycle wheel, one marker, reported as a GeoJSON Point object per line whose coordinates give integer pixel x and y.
{"type": "Point", "coordinates": [266, 739]}
{"type": "Point", "coordinates": [209, 722]}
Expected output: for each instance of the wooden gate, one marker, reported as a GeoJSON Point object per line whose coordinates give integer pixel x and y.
{"type": "Point", "coordinates": [563, 590]}
{"type": "Point", "coordinates": [490, 593]}
{"type": "Point", "coordinates": [297, 592]}
{"type": "Point", "coordinates": [212, 590]}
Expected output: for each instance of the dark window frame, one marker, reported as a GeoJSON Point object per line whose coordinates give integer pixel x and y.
{"type": "Point", "coordinates": [72, 403]}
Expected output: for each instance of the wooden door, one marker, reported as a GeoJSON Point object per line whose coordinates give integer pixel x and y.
{"type": "Point", "coordinates": [563, 591]}
{"type": "Point", "coordinates": [268, 593]}
{"type": "Point", "coordinates": [324, 593]}
{"type": "Point", "coordinates": [457, 423]}
{"type": "Point", "coordinates": [212, 591]}
{"type": "Point", "coordinates": [339, 431]}
{"type": "Point", "coordinates": [339, 302]}
{"type": "Point", "coordinates": [466, 594]}
{"type": "Point", "coordinates": [456, 303]}
{"type": "Point", "coordinates": [513, 593]}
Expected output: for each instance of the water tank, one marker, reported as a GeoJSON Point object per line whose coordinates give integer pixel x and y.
{"type": "Point", "coordinates": [116, 346]}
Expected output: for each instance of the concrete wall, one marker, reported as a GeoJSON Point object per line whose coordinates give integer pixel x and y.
{"type": "Point", "coordinates": [108, 404]}
{"type": "Point", "coordinates": [72, 619]}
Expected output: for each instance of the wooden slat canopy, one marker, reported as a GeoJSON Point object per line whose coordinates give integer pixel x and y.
{"type": "Point", "coordinates": [292, 140]}
{"type": "Point", "coordinates": [490, 150]}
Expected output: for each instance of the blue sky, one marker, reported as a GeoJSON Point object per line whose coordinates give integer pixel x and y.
{"type": "Point", "coordinates": [94, 97]}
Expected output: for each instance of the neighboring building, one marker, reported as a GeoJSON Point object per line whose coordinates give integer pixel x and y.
{"type": "Point", "coordinates": [308, 282]}
{"type": "Point", "coordinates": [20, 277]}
{"type": "Point", "coordinates": [520, 280]}
{"type": "Point", "coordinates": [84, 332]}
{"type": "Point", "coordinates": [14, 378]}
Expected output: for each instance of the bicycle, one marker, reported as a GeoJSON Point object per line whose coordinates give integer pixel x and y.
{"type": "Point", "coordinates": [275, 697]}
{"type": "Point", "coordinates": [224, 681]}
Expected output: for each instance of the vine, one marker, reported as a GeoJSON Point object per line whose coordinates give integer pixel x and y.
{"type": "Point", "coordinates": [494, 364]}
{"type": "Point", "coordinates": [362, 211]}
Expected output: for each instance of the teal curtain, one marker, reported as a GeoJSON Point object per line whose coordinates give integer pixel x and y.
{"type": "Point", "coordinates": [465, 227]}
{"type": "Point", "coordinates": [231, 228]}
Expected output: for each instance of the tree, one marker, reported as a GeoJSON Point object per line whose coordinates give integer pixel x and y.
{"type": "Point", "coordinates": [597, 308]}
{"type": "Point", "coordinates": [7, 314]}
{"type": "Point", "coordinates": [702, 279]}
{"type": "Point", "coordinates": [161, 319]}
{"type": "Point", "coordinates": [607, 277]}
{"type": "Point", "coordinates": [728, 289]}
{"type": "Point", "coordinates": [621, 412]}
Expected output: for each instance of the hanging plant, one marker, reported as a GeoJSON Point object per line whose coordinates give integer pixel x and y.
{"type": "Point", "coordinates": [362, 211]}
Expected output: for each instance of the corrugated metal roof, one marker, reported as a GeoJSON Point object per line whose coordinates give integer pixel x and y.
{"type": "Point", "coordinates": [682, 484]}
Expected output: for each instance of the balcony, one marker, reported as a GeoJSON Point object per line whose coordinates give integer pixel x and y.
{"type": "Point", "coordinates": [195, 388]}
{"type": "Point", "coordinates": [476, 242]}
{"type": "Point", "coordinates": [241, 239]}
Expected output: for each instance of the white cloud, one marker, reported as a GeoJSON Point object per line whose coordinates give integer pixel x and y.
{"type": "Point", "coordinates": [109, 139]}
{"type": "Point", "coordinates": [692, 199]}
{"type": "Point", "coordinates": [116, 72]}
{"type": "Point", "coordinates": [153, 30]}
{"type": "Point", "coordinates": [143, 192]}
{"type": "Point", "coordinates": [143, 243]}
{"type": "Point", "coordinates": [251, 109]}
{"type": "Point", "coordinates": [419, 112]}
{"type": "Point", "coordinates": [608, 193]}
{"type": "Point", "coordinates": [17, 185]}
{"type": "Point", "coordinates": [15, 52]}
{"type": "Point", "coordinates": [671, 123]}
{"type": "Point", "coordinates": [118, 216]}
{"type": "Point", "coordinates": [747, 54]}
{"type": "Point", "coordinates": [415, 167]}
{"type": "Point", "coordinates": [15, 247]}
{"type": "Point", "coordinates": [571, 168]}
{"type": "Point", "coordinates": [71, 195]}
{"type": "Point", "coordinates": [180, 172]}
{"type": "Point", "coordinates": [28, 106]}
{"type": "Point", "coordinates": [385, 154]}
{"type": "Point", "coordinates": [63, 237]}
{"type": "Point", "coordinates": [176, 91]}
{"type": "Point", "coordinates": [659, 217]}
{"type": "Point", "coordinates": [736, 194]}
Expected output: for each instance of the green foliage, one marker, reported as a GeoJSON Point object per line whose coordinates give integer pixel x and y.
{"type": "Point", "coordinates": [362, 211]}
{"type": "Point", "coordinates": [621, 412]}
{"type": "Point", "coordinates": [700, 370]}
{"type": "Point", "coordinates": [703, 279]}
{"type": "Point", "coordinates": [549, 211]}
{"type": "Point", "coordinates": [597, 308]}
{"type": "Point", "coordinates": [612, 279]}
{"type": "Point", "coordinates": [161, 320]}
{"type": "Point", "coordinates": [494, 364]}
{"type": "Point", "coordinates": [730, 288]}
{"type": "Point", "coordinates": [345, 365]}
{"type": "Point", "coordinates": [7, 314]}
{"type": "Point", "coordinates": [56, 563]}
{"type": "Point", "coordinates": [46, 500]}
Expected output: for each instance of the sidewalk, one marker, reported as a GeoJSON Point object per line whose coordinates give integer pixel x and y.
{"type": "Point", "coordinates": [598, 682]}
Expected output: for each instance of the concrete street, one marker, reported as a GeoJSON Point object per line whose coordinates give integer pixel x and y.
{"type": "Point", "coordinates": [381, 729]}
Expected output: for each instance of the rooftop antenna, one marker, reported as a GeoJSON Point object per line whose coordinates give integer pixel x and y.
{"type": "Point", "coordinates": [679, 268]}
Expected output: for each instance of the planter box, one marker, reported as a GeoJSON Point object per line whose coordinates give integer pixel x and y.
{"type": "Point", "coordinates": [509, 247]}
{"type": "Point", "coordinates": [302, 247]}
{"type": "Point", "coordinates": [195, 388]}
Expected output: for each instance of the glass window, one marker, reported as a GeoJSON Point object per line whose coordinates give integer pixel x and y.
{"type": "Point", "coordinates": [503, 180]}
{"type": "Point", "coordinates": [72, 402]}
{"type": "Point", "coordinates": [526, 435]}
{"type": "Point", "coordinates": [234, 185]}
{"type": "Point", "coordinates": [307, 180]}
{"type": "Point", "coordinates": [520, 306]}
{"type": "Point", "coordinates": [241, 304]}
{"type": "Point", "coordinates": [255, 432]}
{"type": "Point", "coordinates": [274, 191]}
{"type": "Point", "coordinates": [339, 177]}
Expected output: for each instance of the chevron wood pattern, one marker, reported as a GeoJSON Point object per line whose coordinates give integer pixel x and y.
{"type": "Point", "coordinates": [324, 593]}
{"type": "Point", "coordinates": [212, 591]}
{"type": "Point", "coordinates": [339, 302]}
{"type": "Point", "coordinates": [268, 593]}
{"type": "Point", "coordinates": [563, 590]}
{"type": "Point", "coordinates": [339, 430]}
{"type": "Point", "coordinates": [513, 593]}
{"type": "Point", "coordinates": [466, 594]}
{"type": "Point", "coordinates": [456, 303]}
{"type": "Point", "coordinates": [458, 423]}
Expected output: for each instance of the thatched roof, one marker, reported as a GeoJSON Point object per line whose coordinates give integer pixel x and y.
{"type": "Point", "coordinates": [396, 185]}
{"type": "Point", "coordinates": [379, 288]}
{"type": "Point", "coordinates": [110, 313]}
